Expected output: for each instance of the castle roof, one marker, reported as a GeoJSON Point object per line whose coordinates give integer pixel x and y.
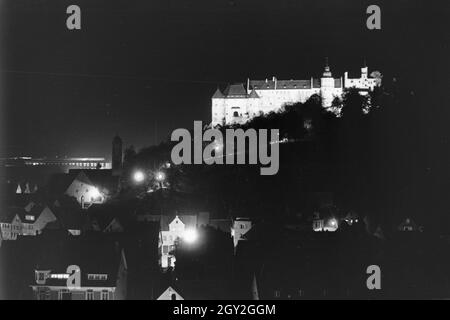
{"type": "Point", "coordinates": [218, 94]}
{"type": "Point", "coordinates": [236, 90]}
{"type": "Point", "coordinates": [253, 94]}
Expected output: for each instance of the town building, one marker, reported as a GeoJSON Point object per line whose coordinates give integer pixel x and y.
{"type": "Point", "coordinates": [170, 294]}
{"type": "Point", "coordinates": [239, 228]}
{"type": "Point", "coordinates": [174, 229]}
{"type": "Point", "coordinates": [65, 163]}
{"type": "Point", "coordinates": [409, 225]}
{"type": "Point", "coordinates": [88, 187]}
{"type": "Point", "coordinates": [241, 102]}
{"type": "Point", "coordinates": [10, 224]}
{"type": "Point", "coordinates": [102, 265]}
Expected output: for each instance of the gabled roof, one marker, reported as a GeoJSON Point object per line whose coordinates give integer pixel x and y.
{"type": "Point", "coordinates": [253, 94]}
{"type": "Point", "coordinates": [35, 211]}
{"type": "Point", "coordinates": [59, 183]}
{"type": "Point", "coordinates": [280, 84]}
{"type": "Point", "coordinates": [69, 215]}
{"type": "Point", "coordinates": [236, 90]}
{"type": "Point", "coordinates": [167, 294]}
{"type": "Point", "coordinates": [94, 254]}
{"type": "Point", "coordinates": [218, 94]}
{"type": "Point", "coordinates": [102, 179]}
{"type": "Point", "coordinates": [189, 221]}
{"type": "Point", "coordinates": [7, 215]}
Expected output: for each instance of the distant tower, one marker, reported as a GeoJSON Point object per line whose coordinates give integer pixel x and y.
{"type": "Point", "coordinates": [117, 155]}
{"type": "Point", "coordinates": [326, 85]}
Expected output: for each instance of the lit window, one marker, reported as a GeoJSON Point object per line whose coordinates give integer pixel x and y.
{"type": "Point", "coordinates": [90, 295]}
{"type": "Point", "coordinates": [104, 295]}
{"type": "Point", "coordinates": [97, 277]}
{"type": "Point", "coordinates": [59, 276]}
{"type": "Point", "coordinates": [40, 276]}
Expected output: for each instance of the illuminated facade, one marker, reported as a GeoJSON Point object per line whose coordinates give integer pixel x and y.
{"type": "Point", "coordinates": [239, 228]}
{"type": "Point", "coordinates": [240, 102]}
{"type": "Point", "coordinates": [25, 222]}
{"type": "Point", "coordinates": [172, 233]}
{"type": "Point", "coordinates": [64, 163]}
{"type": "Point", "coordinates": [85, 191]}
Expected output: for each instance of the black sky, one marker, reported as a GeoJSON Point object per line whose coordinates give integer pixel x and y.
{"type": "Point", "coordinates": [137, 64]}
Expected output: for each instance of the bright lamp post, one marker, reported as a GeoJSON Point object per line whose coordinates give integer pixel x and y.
{"type": "Point", "coordinates": [160, 176]}
{"type": "Point", "coordinates": [190, 236]}
{"type": "Point", "coordinates": [138, 176]}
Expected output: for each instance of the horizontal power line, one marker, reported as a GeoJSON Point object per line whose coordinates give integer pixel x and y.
{"type": "Point", "coordinates": [110, 76]}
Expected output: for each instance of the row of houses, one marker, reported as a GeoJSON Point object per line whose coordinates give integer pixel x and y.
{"type": "Point", "coordinates": [183, 227]}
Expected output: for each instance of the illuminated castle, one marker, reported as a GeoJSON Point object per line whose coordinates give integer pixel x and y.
{"type": "Point", "coordinates": [241, 102]}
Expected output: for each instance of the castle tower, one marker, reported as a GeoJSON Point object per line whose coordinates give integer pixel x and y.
{"type": "Point", "coordinates": [117, 155]}
{"type": "Point", "coordinates": [327, 86]}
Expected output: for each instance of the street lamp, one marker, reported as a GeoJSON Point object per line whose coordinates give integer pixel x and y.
{"type": "Point", "coordinates": [190, 236]}
{"type": "Point", "coordinates": [160, 176]}
{"type": "Point", "coordinates": [138, 176]}
{"type": "Point", "coordinates": [218, 146]}
{"type": "Point", "coordinates": [95, 193]}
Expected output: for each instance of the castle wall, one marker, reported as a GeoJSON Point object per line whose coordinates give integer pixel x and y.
{"type": "Point", "coordinates": [229, 110]}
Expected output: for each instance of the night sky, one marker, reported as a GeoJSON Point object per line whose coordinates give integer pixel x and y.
{"type": "Point", "coordinates": [140, 67]}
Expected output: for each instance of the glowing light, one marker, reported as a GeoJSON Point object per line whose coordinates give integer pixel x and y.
{"type": "Point", "coordinates": [218, 146]}
{"type": "Point", "coordinates": [190, 235]}
{"type": "Point", "coordinates": [160, 176]}
{"type": "Point", "coordinates": [95, 193]}
{"type": "Point", "coordinates": [333, 222]}
{"type": "Point", "coordinates": [139, 176]}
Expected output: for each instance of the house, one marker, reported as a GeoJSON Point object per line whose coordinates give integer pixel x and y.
{"type": "Point", "coordinates": [10, 223]}
{"type": "Point", "coordinates": [78, 185]}
{"type": "Point", "coordinates": [104, 179]}
{"type": "Point", "coordinates": [102, 267]}
{"type": "Point", "coordinates": [108, 217]}
{"type": "Point", "coordinates": [174, 229]}
{"type": "Point", "coordinates": [26, 188]}
{"type": "Point", "coordinates": [69, 216]}
{"type": "Point", "coordinates": [29, 221]}
{"type": "Point", "coordinates": [35, 218]}
{"type": "Point", "coordinates": [324, 220]}
{"type": "Point", "coordinates": [170, 294]}
{"type": "Point", "coordinates": [408, 225]}
{"type": "Point", "coordinates": [239, 228]}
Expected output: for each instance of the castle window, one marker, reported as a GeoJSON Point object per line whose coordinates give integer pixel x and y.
{"type": "Point", "coordinates": [235, 114]}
